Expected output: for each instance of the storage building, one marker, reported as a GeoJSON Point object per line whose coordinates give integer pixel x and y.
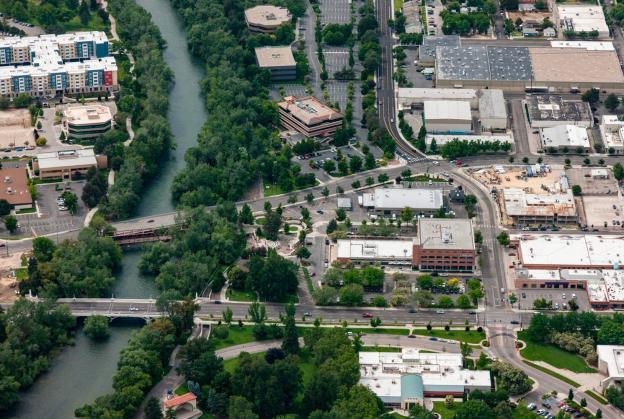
{"type": "Point", "coordinates": [493, 110]}
{"type": "Point", "coordinates": [445, 116]}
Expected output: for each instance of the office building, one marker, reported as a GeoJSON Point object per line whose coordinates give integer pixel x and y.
{"type": "Point", "coordinates": [279, 61]}
{"type": "Point", "coordinates": [394, 200]}
{"type": "Point", "coordinates": [535, 69]}
{"type": "Point", "coordinates": [612, 132]}
{"type": "Point", "coordinates": [67, 164]}
{"type": "Point", "coordinates": [386, 252]}
{"type": "Point", "coordinates": [86, 122]}
{"type": "Point", "coordinates": [14, 188]}
{"type": "Point", "coordinates": [492, 110]}
{"type": "Point", "coordinates": [446, 116]}
{"type": "Point", "coordinates": [579, 18]}
{"type": "Point", "coordinates": [52, 64]}
{"type": "Point", "coordinates": [527, 208]}
{"type": "Point", "coordinates": [309, 116]}
{"type": "Point", "coordinates": [266, 18]}
{"type": "Point", "coordinates": [404, 379]}
{"type": "Point", "coordinates": [611, 364]}
{"type": "Point", "coordinates": [444, 244]}
{"type": "Point", "coordinates": [565, 137]}
{"type": "Point", "coordinates": [546, 111]}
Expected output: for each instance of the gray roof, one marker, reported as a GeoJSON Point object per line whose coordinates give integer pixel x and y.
{"type": "Point", "coordinates": [480, 62]}
{"type": "Point", "coordinates": [427, 50]}
{"type": "Point", "coordinates": [554, 108]}
{"type": "Point", "coordinates": [445, 233]}
{"type": "Point", "coordinates": [492, 104]}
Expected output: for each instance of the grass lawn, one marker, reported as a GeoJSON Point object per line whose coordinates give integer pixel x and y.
{"type": "Point", "coordinates": [26, 211]}
{"type": "Point", "coordinates": [305, 363]}
{"type": "Point", "coordinates": [230, 364]}
{"type": "Point", "coordinates": [182, 389]}
{"type": "Point", "coordinates": [597, 396]}
{"type": "Point", "coordinates": [21, 274]}
{"type": "Point", "coordinates": [238, 335]}
{"type": "Point", "coordinates": [372, 331]}
{"type": "Point", "coordinates": [236, 295]}
{"type": "Point", "coordinates": [471, 336]}
{"type": "Point", "coordinates": [270, 190]}
{"type": "Point", "coordinates": [380, 349]}
{"type": "Point", "coordinates": [552, 355]}
{"type": "Point", "coordinates": [441, 409]}
{"type": "Point", "coordinates": [553, 373]}
{"type": "Point", "coordinates": [398, 4]}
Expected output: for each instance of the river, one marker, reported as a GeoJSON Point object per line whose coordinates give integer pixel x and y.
{"type": "Point", "coordinates": [83, 372]}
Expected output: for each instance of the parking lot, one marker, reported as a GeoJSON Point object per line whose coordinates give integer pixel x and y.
{"type": "Point", "coordinates": [51, 219]}
{"type": "Point", "coordinates": [335, 11]}
{"type": "Point", "coordinates": [415, 77]}
{"type": "Point", "coordinates": [558, 296]}
{"type": "Point", "coordinates": [603, 212]}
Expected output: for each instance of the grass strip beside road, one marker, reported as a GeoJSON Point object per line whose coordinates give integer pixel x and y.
{"type": "Point", "coordinates": [552, 373]}
{"type": "Point", "coordinates": [398, 5]}
{"type": "Point", "coordinates": [553, 355]}
{"type": "Point", "coordinates": [380, 349]}
{"type": "Point", "coordinates": [597, 397]}
{"type": "Point", "coordinates": [237, 336]}
{"type": "Point", "coordinates": [471, 336]}
{"type": "Point", "coordinates": [371, 331]}
{"type": "Point", "coordinates": [308, 279]}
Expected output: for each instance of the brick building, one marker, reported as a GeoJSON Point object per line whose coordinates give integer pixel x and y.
{"type": "Point", "coordinates": [444, 245]}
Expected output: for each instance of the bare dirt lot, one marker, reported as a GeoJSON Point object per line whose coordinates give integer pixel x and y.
{"type": "Point", "coordinates": [537, 16]}
{"type": "Point", "coordinates": [590, 185]}
{"type": "Point", "coordinates": [16, 128]}
{"type": "Point", "coordinates": [604, 209]}
{"type": "Point", "coordinates": [7, 281]}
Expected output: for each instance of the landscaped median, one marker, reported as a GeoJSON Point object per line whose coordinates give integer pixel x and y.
{"type": "Point", "coordinates": [552, 355]}
{"type": "Point", "coordinates": [460, 335]}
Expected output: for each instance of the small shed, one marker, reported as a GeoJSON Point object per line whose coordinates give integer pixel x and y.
{"type": "Point", "coordinates": [550, 32]}
{"type": "Point", "coordinates": [344, 203]}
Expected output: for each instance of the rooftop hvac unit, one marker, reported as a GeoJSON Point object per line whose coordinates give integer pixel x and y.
{"type": "Point", "coordinates": [7, 179]}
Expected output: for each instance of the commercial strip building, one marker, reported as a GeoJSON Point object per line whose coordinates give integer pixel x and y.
{"type": "Point", "coordinates": [611, 364]}
{"type": "Point", "coordinates": [444, 244]}
{"type": "Point", "coordinates": [279, 61]}
{"type": "Point", "coordinates": [404, 379]}
{"type": "Point", "coordinates": [551, 110]}
{"type": "Point", "coordinates": [581, 18]}
{"type": "Point", "coordinates": [67, 164]}
{"type": "Point", "coordinates": [266, 18]}
{"type": "Point", "coordinates": [51, 64]}
{"type": "Point", "coordinates": [394, 200]}
{"type": "Point", "coordinates": [14, 188]}
{"type": "Point", "coordinates": [86, 122]}
{"type": "Point", "coordinates": [446, 116]}
{"type": "Point", "coordinates": [528, 208]}
{"type": "Point", "coordinates": [612, 133]}
{"type": "Point", "coordinates": [527, 68]}
{"type": "Point", "coordinates": [565, 137]}
{"type": "Point", "coordinates": [309, 116]}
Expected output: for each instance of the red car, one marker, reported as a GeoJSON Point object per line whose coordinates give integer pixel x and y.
{"type": "Point", "coordinates": [367, 315]}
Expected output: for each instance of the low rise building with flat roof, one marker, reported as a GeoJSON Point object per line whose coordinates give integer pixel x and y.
{"type": "Point", "coordinates": [569, 251]}
{"type": "Point", "coordinates": [552, 110]}
{"type": "Point", "coordinates": [427, 50]}
{"type": "Point", "coordinates": [394, 200]}
{"type": "Point", "coordinates": [444, 244]}
{"type": "Point", "coordinates": [309, 116]}
{"type": "Point", "coordinates": [492, 110]}
{"type": "Point", "coordinates": [279, 61]}
{"type": "Point", "coordinates": [404, 379]}
{"type": "Point", "coordinates": [587, 45]}
{"type": "Point", "coordinates": [14, 188]}
{"type": "Point", "coordinates": [86, 122]}
{"type": "Point", "coordinates": [414, 98]}
{"type": "Point", "coordinates": [527, 208]}
{"type": "Point", "coordinates": [612, 133]}
{"type": "Point", "coordinates": [565, 137]}
{"type": "Point", "coordinates": [611, 364]}
{"type": "Point", "coordinates": [390, 252]}
{"type": "Point", "coordinates": [579, 18]}
{"type": "Point", "coordinates": [67, 164]}
{"type": "Point", "coordinates": [446, 116]}
{"type": "Point", "coordinates": [266, 18]}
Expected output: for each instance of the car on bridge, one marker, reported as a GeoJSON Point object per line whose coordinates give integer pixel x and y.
{"type": "Point", "coordinates": [367, 315]}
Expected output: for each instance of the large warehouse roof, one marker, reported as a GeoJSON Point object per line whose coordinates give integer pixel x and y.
{"type": "Point", "coordinates": [427, 50]}
{"type": "Point", "coordinates": [565, 136]}
{"type": "Point", "coordinates": [447, 110]}
{"type": "Point", "coordinates": [554, 64]}
{"type": "Point", "coordinates": [483, 63]}
{"type": "Point", "coordinates": [492, 104]}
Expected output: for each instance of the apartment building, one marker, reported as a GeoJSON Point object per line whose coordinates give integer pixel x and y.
{"type": "Point", "coordinates": [51, 64]}
{"type": "Point", "coordinates": [309, 116]}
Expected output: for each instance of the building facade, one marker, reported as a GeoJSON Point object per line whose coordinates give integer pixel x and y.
{"type": "Point", "coordinates": [266, 18]}
{"type": "Point", "coordinates": [388, 201]}
{"type": "Point", "coordinates": [87, 122]}
{"type": "Point", "coordinates": [279, 61]}
{"type": "Point", "coordinates": [309, 116]}
{"type": "Point", "coordinates": [444, 244]}
{"type": "Point", "coordinates": [67, 164]}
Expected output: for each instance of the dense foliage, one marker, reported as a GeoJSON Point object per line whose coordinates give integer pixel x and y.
{"type": "Point", "coordinates": [141, 364]}
{"type": "Point", "coordinates": [81, 268]}
{"type": "Point", "coordinates": [238, 140]}
{"type": "Point", "coordinates": [29, 333]}
{"type": "Point", "coordinates": [146, 100]}
{"type": "Point", "coordinates": [203, 243]}
{"type": "Point", "coordinates": [266, 387]}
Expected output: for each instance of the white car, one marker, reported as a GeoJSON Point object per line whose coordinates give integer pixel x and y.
{"type": "Point", "coordinates": [133, 308]}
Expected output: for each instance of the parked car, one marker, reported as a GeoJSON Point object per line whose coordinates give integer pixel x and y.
{"type": "Point", "coordinates": [367, 315]}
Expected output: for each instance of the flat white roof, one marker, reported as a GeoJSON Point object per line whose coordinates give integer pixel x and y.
{"type": "Point", "coordinates": [613, 355]}
{"type": "Point", "coordinates": [267, 15]}
{"type": "Point", "coordinates": [395, 198]}
{"type": "Point", "coordinates": [612, 131]}
{"type": "Point", "coordinates": [565, 136]}
{"type": "Point", "coordinates": [614, 284]}
{"type": "Point", "coordinates": [87, 115]}
{"type": "Point", "coordinates": [573, 250]}
{"type": "Point", "coordinates": [436, 94]}
{"type": "Point", "coordinates": [445, 233]}
{"type": "Point", "coordinates": [67, 158]}
{"type": "Point", "coordinates": [520, 203]}
{"type": "Point", "coordinates": [375, 249]}
{"type": "Point", "coordinates": [447, 110]}
{"type": "Point", "coordinates": [272, 57]}
{"type": "Point", "coordinates": [584, 17]}
{"type": "Point", "coordinates": [587, 45]}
